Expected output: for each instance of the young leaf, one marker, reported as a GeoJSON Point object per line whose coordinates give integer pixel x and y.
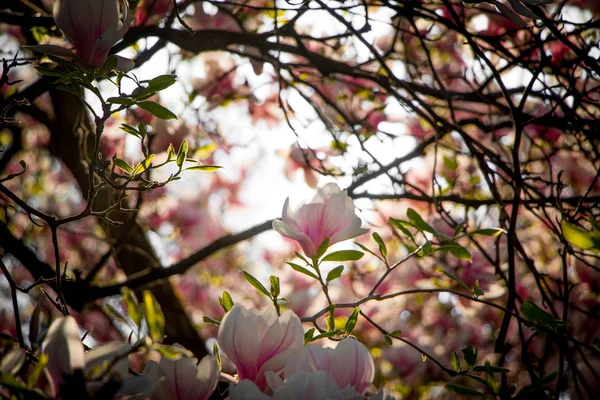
{"type": "Point", "coordinates": [126, 101]}
{"type": "Point", "coordinates": [388, 340]}
{"type": "Point", "coordinates": [205, 168]}
{"type": "Point", "coordinates": [157, 110]}
{"type": "Point", "coordinates": [455, 360]}
{"type": "Point", "coordinates": [170, 152]}
{"type": "Point", "coordinates": [226, 301]}
{"type": "Point", "coordinates": [382, 246]}
{"type": "Point", "coordinates": [487, 232]}
{"type": "Point", "coordinates": [154, 317]}
{"type": "Point", "coordinates": [335, 273]}
{"type": "Point", "coordinates": [210, 320]}
{"type": "Point", "coordinates": [344, 255]}
{"type": "Point", "coordinates": [144, 165]}
{"type": "Point", "coordinates": [302, 270]}
{"type": "Point", "coordinates": [217, 356]}
{"type": "Point", "coordinates": [577, 236]}
{"type": "Point", "coordinates": [322, 247]}
{"type": "Point", "coordinates": [156, 85]}
{"type": "Point", "coordinates": [400, 225]}
{"type": "Point", "coordinates": [257, 285]}
{"type": "Point", "coordinates": [133, 306]}
{"type": "Point", "coordinates": [352, 319]}
{"type": "Point", "coordinates": [470, 355]}
{"type": "Point", "coordinates": [419, 222]}
{"type": "Point", "coordinates": [275, 289]}
{"type": "Point", "coordinates": [182, 153]}
{"type": "Point", "coordinates": [308, 336]}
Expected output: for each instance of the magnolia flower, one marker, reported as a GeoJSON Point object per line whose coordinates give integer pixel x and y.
{"type": "Point", "coordinates": [257, 342]}
{"type": "Point", "coordinates": [349, 363]}
{"type": "Point", "coordinates": [187, 381]}
{"type": "Point", "coordinates": [92, 26]}
{"type": "Point", "coordinates": [114, 354]}
{"type": "Point", "coordinates": [64, 350]}
{"type": "Point", "coordinates": [315, 385]}
{"type": "Point", "coordinates": [174, 379]}
{"type": "Point", "coordinates": [330, 214]}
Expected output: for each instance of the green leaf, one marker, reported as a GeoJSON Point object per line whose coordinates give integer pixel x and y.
{"type": "Point", "coordinates": [205, 168]}
{"type": "Point", "coordinates": [335, 273]}
{"type": "Point", "coordinates": [461, 253]}
{"type": "Point", "coordinates": [322, 247]}
{"type": "Point", "coordinates": [476, 290]}
{"type": "Point", "coordinates": [388, 340]}
{"type": "Point", "coordinates": [257, 285]}
{"type": "Point", "coordinates": [577, 236]}
{"type": "Point", "coordinates": [419, 222]}
{"type": "Point", "coordinates": [352, 319]}
{"type": "Point", "coordinates": [156, 85]}
{"type": "Point", "coordinates": [109, 65]}
{"type": "Point", "coordinates": [210, 320]}
{"type": "Point", "coordinates": [217, 356]}
{"type": "Point", "coordinates": [458, 389]}
{"type": "Point", "coordinates": [326, 335]}
{"type": "Point", "coordinates": [142, 129]}
{"type": "Point", "coordinates": [367, 250]}
{"type": "Point", "coordinates": [130, 130]}
{"type": "Point", "coordinates": [37, 370]}
{"type": "Point", "coordinates": [382, 247]}
{"type": "Point", "coordinates": [400, 225]}
{"type": "Point", "coordinates": [157, 110]}
{"type": "Point", "coordinates": [456, 250]}
{"type": "Point", "coordinates": [126, 101]}
{"type": "Point", "coordinates": [596, 343]}
{"type": "Point", "coordinates": [300, 256]}
{"type": "Point", "coordinates": [455, 360]}
{"type": "Point", "coordinates": [487, 232]}
{"type": "Point", "coordinates": [144, 165]}
{"type": "Point", "coordinates": [226, 301]}
{"type": "Point", "coordinates": [275, 289]}
{"type": "Point", "coordinates": [533, 313]}
{"type": "Point", "coordinates": [133, 306]}
{"type": "Point", "coordinates": [454, 278]}
{"type": "Point", "coordinates": [154, 317]}
{"type": "Point", "coordinates": [344, 255]}
{"type": "Point", "coordinates": [308, 336]}
{"type": "Point", "coordinates": [302, 270]}
{"type": "Point", "coordinates": [182, 153]}
{"type": "Point", "coordinates": [470, 355]}
{"type": "Point", "coordinates": [458, 229]}
{"type": "Point", "coordinates": [331, 318]}
{"type": "Point", "coordinates": [49, 72]}
{"type": "Point", "coordinates": [170, 152]}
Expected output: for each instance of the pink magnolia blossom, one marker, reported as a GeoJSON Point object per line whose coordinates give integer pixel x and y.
{"type": "Point", "coordinates": [64, 350]}
{"type": "Point", "coordinates": [187, 381]}
{"type": "Point", "coordinates": [330, 214]}
{"type": "Point", "coordinates": [92, 26]}
{"type": "Point", "coordinates": [174, 379]}
{"type": "Point", "coordinates": [257, 342]}
{"type": "Point", "coordinates": [349, 363]}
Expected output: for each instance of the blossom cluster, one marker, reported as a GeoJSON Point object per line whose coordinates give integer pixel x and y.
{"type": "Point", "coordinates": [267, 350]}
